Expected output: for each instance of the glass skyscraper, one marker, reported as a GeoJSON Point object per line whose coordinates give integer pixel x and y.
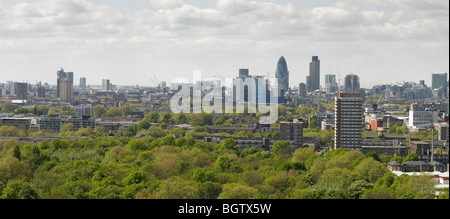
{"type": "Point", "coordinates": [282, 74]}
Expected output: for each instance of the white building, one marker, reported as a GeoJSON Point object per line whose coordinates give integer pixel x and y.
{"type": "Point", "coordinates": [421, 119]}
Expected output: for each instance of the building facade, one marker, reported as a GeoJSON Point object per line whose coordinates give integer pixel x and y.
{"type": "Point", "coordinates": [348, 121]}
{"type": "Point", "coordinates": [314, 74]}
{"type": "Point", "coordinates": [282, 74]}
{"type": "Point", "coordinates": [331, 85]}
{"type": "Point", "coordinates": [64, 76]}
{"type": "Point", "coordinates": [439, 80]}
{"type": "Point", "coordinates": [292, 131]}
{"type": "Point", "coordinates": [352, 84]}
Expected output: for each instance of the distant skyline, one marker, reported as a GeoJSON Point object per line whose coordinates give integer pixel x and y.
{"type": "Point", "coordinates": [131, 41]}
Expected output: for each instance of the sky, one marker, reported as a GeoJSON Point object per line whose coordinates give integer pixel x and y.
{"type": "Point", "coordinates": [132, 42]}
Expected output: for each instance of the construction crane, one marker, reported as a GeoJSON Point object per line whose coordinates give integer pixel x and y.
{"type": "Point", "coordinates": [155, 82]}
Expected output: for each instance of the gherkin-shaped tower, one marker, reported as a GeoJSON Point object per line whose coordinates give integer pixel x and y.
{"type": "Point", "coordinates": [282, 74]}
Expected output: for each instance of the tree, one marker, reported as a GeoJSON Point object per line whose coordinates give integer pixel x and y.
{"type": "Point", "coordinates": [157, 132]}
{"type": "Point", "coordinates": [41, 110]}
{"type": "Point", "coordinates": [228, 144]}
{"type": "Point", "coordinates": [224, 163]}
{"type": "Point", "coordinates": [237, 191]}
{"type": "Point", "coordinates": [411, 157]}
{"type": "Point", "coordinates": [182, 118]}
{"type": "Point", "coordinates": [154, 117]}
{"type": "Point", "coordinates": [313, 124]}
{"type": "Point", "coordinates": [177, 188]}
{"type": "Point", "coordinates": [210, 190]}
{"type": "Point", "coordinates": [377, 193]}
{"type": "Point", "coordinates": [11, 168]}
{"type": "Point", "coordinates": [135, 178]}
{"type": "Point", "coordinates": [371, 169]}
{"type": "Point", "coordinates": [10, 131]}
{"type": "Point", "coordinates": [415, 187]}
{"type": "Point", "coordinates": [166, 117]}
{"type": "Point", "coordinates": [279, 146]}
{"type": "Point", "coordinates": [357, 188]}
{"type": "Point", "coordinates": [21, 111]}
{"type": "Point", "coordinates": [373, 155]}
{"type": "Point", "coordinates": [201, 175]}
{"type": "Point", "coordinates": [113, 112]}
{"type": "Point", "coordinates": [99, 110]}
{"type": "Point", "coordinates": [302, 154]}
{"type": "Point", "coordinates": [16, 152]}
{"type": "Point", "coordinates": [17, 189]}
{"type": "Point", "coordinates": [444, 194]}
{"type": "Point", "coordinates": [54, 111]}
{"type": "Point", "coordinates": [9, 108]}
{"type": "Point", "coordinates": [68, 127]}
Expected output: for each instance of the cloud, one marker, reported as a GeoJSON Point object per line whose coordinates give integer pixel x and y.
{"type": "Point", "coordinates": [235, 30]}
{"type": "Point", "coordinates": [166, 4]}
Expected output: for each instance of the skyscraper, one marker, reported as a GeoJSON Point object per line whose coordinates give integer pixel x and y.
{"type": "Point", "coordinates": [348, 121]}
{"type": "Point", "coordinates": [62, 75]}
{"type": "Point", "coordinates": [439, 81]}
{"type": "Point", "coordinates": [302, 90]}
{"type": "Point", "coordinates": [243, 73]}
{"type": "Point", "coordinates": [314, 73]}
{"type": "Point", "coordinates": [40, 90]}
{"type": "Point", "coordinates": [106, 85]}
{"type": "Point", "coordinates": [21, 90]}
{"type": "Point", "coordinates": [83, 83]}
{"type": "Point", "coordinates": [282, 74]}
{"type": "Point", "coordinates": [331, 85]}
{"type": "Point", "coordinates": [352, 84]}
{"type": "Point", "coordinates": [66, 90]}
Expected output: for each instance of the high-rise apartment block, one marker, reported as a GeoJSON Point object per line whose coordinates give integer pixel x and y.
{"type": "Point", "coordinates": [40, 90]}
{"type": "Point", "coordinates": [64, 85]}
{"type": "Point", "coordinates": [65, 90]}
{"type": "Point", "coordinates": [348, 121]}
{"type": "Point", "coordinates": [314, 74]}
{"type": "Point", "coordinates": [20, 90]}
{"type": "Point", "coordinates": [292, 131]}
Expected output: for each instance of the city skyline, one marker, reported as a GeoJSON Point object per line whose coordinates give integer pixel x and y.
{"type": "Point", "coordinates": [381, 43]}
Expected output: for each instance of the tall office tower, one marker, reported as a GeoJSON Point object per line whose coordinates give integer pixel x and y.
{"type": "Point", "coordinates": [292, 131]}
{"type": "Point", "coordinates": [308, 83]}
{"type": "Point", "coordinates": [243, 73]}
{"type": "Point", "coordinates": [439, 81]}
{"type": "Point", "coordinates": [83, 83]}
{"type": "Point", "coordinates": [40, 91]}
{"type": "Point", "coordinates": [352, 84]}
{"type": "Point", "coordinates": [62, 75]}
{"type": "Point", "coordinates": [66, 90]}
{"type": "Point", "coordinates": [348, 121]}
{"type": "Point", "coordinates": [302, 90]}
{"type": "Point", "coordinates": [21, 90]}
{"type": "Point", "coordinates": [331, 85]}
{"type": "Point", "coordinates": [106, 85]}
{"type": "Point", "coordinates": [314, 73]}
{"type": "Point", "coordinates": [282, 74]}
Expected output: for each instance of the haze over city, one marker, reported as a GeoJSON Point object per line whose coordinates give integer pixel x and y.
{"type": "Point", "coordinates": [129, 42]}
